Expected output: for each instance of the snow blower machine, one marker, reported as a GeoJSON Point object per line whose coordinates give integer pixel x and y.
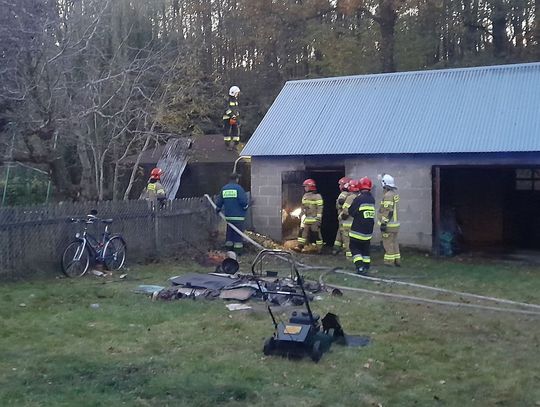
{"type": "Point", "coordinates": [302, 335]}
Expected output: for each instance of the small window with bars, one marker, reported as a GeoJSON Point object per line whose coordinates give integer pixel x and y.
{"type": "Point", "coordinates": [527, 179]}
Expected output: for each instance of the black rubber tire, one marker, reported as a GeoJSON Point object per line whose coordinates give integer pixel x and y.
{"type": "Point", "coordinates": [269, 346]}
{"type": "Point", "coordinates": [70, 266]}
{"type": "Point", "coordinates": [316, 353]}
{"type": "Point", "coordinates": [114, 254]}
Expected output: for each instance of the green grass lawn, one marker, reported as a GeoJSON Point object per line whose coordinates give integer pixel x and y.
{"type": "Point", "coordinates": [56, 350]}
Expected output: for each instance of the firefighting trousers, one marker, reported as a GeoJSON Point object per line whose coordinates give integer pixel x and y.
{"type": "Point", "coordinates": [391, 248]}
{"type": "Point", "coordinates": [231, 133]}
{"type": "Point", "coordinates": [343, 239]}
{"type": "Point", "coordinates": [360, 252]}
{"type": "Point", "coordinates": [233, 240]}
{"type": "Point", "coordinates": [310, 233]}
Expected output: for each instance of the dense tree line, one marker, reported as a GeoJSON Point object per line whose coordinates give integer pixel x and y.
{"type": "Point", "coordinates": [86, 83]}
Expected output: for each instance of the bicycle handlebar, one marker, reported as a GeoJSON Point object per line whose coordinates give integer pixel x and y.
{"type": "Point", "coordinates": [89, 219]}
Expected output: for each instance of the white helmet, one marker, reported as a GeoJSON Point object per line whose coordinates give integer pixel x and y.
{"type": "Point", "coordinates": [234, 91]}
{"type": "Point", "coordinates": [387, 181]}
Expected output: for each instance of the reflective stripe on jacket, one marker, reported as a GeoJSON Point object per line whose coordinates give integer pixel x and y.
{"type": "Point", "coordinates": [363, 212]}
{"type": "Point", "coordinates": [154, 191]}
{"type": "Point", "coordinates": [388, 211]}
{"type": "Point", "coordinates": [233, 200]}
{"type": "Point", "coordinates": [231, 109]}
{"type": "Point", "coordinates": [347, 222]}
{"type": "Point", "coordinates": [312, 207]}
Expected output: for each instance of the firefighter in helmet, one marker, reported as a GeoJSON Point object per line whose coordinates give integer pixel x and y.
{"type": "Point", "coordinates": [231, 129]}
{"type": "Point", "coordinates": [388, 221]}
{"type": "Point", "coordinates": [344, 216]}
{"type": "Point", "coordinates": [234, 202]}
{"type": "Point", "coordinates": [154, 191]}
{"type": "Point", "coordinates": [312, 209]}
{"type": "Point", "coordinates": [362, 211]}
{"type": "Point", "coordinates": [342, 236]}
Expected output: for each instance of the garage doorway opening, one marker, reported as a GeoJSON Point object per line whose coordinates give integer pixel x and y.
{"type": "Point", "coordinates": [292, 191]}
{"type": "Point", "coordinates": [486, 208]}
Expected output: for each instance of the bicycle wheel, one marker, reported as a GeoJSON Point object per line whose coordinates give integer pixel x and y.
{"type": "Point", "coordinates": [114, 253]}
{"type": "Point", "coordinates": [75, 259]}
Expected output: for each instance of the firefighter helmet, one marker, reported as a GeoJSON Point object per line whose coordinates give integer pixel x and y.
{"type": "Point", "coordinates": [343, 183]}
{"type": "Point", "coordinates": [387, 181]}
{"type": "Point", "coordinates": [354, 185]}
{"type": "Point", "coordinates": [156, 173]}
{"type": "Point", "coordinates": [365, 184]}
{"type": "Point", "coordinates": [310, 184]}
{"type": "Point", "coordinates": [234, 91]}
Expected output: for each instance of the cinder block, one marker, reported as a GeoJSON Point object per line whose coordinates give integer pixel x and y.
{"type": "Point", "coordinates": [270, 190]}
{"type": "Point", "coordinates": [261, 223]}
{"type": "Point", "coordinates": [274, 201]}
{"type": "Point", "coordinates": [269, 211]}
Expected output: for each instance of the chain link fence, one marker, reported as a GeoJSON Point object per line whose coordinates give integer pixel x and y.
{"type": "Point", "coordinates": [32, 239]}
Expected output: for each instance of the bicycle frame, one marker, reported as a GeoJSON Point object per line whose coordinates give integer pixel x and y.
{"type": "Point", "coordinates": [109, 250]}
{"type": "Point", "coordinates": [97, 247]}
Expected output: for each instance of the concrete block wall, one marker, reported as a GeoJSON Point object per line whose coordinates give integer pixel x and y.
{"type": "Point", "coordinates": [414, 182]}
{"type": "Point", "coordinates": [266, 192]}
{"type": "Point", "coordinates": [413, 175]}
{"type": "Point", "coordinates": [413, 179]}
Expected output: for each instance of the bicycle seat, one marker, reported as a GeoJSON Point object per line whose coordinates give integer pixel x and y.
{"type": "Point", "coordinates": [107, 221]}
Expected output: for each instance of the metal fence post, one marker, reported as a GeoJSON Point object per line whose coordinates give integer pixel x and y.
{"type": "Point", "coordinates": [156, 229]}
{"type": "Point", "coordinates": [5, 185]}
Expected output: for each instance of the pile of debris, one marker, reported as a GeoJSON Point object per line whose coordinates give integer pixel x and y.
{"type": "Point", "coordinates": [228, 283]}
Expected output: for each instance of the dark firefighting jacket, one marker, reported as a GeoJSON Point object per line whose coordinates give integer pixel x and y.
{"type": "Point", "coordinates": [233, 200]}
{"type": "Point", "coordinates": [362, 211]}
{"type": "Point", "coordinates": [231, 111]}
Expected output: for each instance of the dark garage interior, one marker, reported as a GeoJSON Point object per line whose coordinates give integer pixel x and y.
{"type": "Point", "coordinates": [488, 208]}
{"type": "Point", "coordinates": [292, 191]}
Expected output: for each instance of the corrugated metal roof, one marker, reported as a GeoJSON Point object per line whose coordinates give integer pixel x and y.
{"type": "Point", "coordinates": [484, 109]}
{"type": "Point", "coordinates": [173, 161]}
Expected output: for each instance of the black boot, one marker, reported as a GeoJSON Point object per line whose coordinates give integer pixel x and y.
{"type": "Point", "coordinates": [363, 270]}
{"type": "Point", "coordinates": [360, 270]}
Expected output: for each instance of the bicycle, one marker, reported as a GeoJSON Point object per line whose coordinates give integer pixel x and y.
{"type": "Point", "coordinates": [110, 250]}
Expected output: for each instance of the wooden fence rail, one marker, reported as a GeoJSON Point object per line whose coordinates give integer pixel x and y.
{"type": "Point", "coordinates": [32, 239]}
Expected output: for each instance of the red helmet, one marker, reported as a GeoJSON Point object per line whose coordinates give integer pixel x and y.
{"type": "Point", "coordinates": [310, 184]}
{"type": "Point", "coordinates": [365, 184]}
{"type": "Point", "coordinates": [354, 185]}
{"type": "Point", "coordinates": [156, 173]}
{"type": "Point", "coordinates": [343, 183]}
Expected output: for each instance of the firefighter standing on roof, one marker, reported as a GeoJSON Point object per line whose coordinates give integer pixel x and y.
{"type": "Point", "coordinates": [233, 200]}
{"type": "Point", "coordinates": [231, 129]}
{"type": "Point", "coordinates": [154, 191]}
{"type": "Point", "coordinates": [388, 221]}
{"type": "Point", "coordinates": [312, 209]}
{"type": "Point", "coordinates": [342, 236]}
{"type": "Point", "coordinates": [363, 212]}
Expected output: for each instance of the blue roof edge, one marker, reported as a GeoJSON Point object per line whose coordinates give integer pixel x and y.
{"type": "Point", "coordinates": [422, 72]}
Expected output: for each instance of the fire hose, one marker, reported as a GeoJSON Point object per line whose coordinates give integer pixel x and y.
{"type": "Point", "coordinates": [403, 283]}
{"type": "Point", "coordinates": [432, 301]}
